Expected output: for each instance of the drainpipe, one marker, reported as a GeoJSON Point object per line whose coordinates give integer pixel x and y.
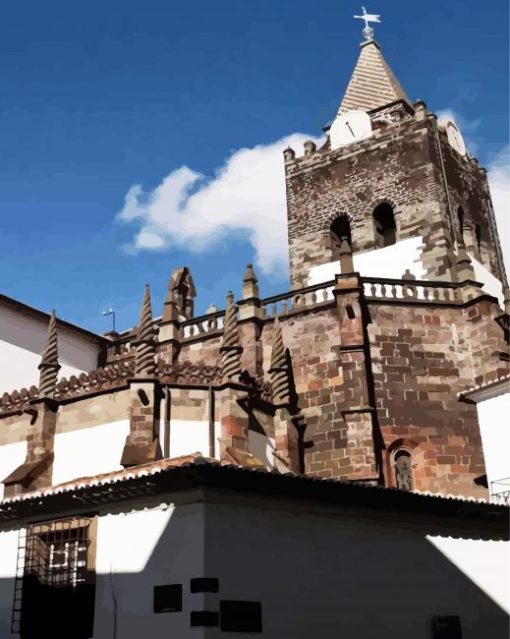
{"type": "Point", "coordinates": [166, 422]}
{"type": "Point", "coordinates": [212, 447]}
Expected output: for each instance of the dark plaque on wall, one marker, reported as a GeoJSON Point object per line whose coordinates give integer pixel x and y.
{"type": "Point", "coordinates": [204, 584]}
{"type": "Point", "coordinates": [168, 598]}
{"type": "Point", "coordinates": [446, 627]}
{"type": "Point", "coordinates": [203, 618]}
{"type": "Point", "coordinates": [241, 616]}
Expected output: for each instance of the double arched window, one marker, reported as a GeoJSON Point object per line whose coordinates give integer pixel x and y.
{"type": "Point", "coordinates": [384, 225]}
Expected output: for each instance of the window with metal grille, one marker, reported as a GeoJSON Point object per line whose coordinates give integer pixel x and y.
{"type": "Point", "coordinates": [57, 576]}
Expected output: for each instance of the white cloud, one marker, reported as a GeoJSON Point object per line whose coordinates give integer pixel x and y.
{"type": "Point", "coordinates": [189, 210]}
{"type": "Point", "coordinates": [499, 182]}
{"type": "Point", "coordinates": [247, 194]}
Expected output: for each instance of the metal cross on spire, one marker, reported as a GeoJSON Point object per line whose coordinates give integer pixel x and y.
{"type": "Point", "coordinates": [368, 32]}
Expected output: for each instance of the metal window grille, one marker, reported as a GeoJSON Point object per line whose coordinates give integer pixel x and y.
{"type": "Point", "coordinates": [56, 552]}
{"type": "Point", "coordinates": [52, 557]}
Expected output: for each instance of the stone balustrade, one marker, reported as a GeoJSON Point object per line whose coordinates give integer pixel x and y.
{"type": "Point", "coordinates": [410, 290]}
{"type": "Point", "coordinates": [199, 326]}
{"type": "Point", "coordinates": [296, 300]}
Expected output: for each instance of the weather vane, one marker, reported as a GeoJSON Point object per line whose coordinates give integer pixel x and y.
{"type": "Point", "coordinates": [368, 32]}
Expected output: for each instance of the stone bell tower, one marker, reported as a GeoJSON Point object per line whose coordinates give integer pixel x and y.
{"type": "Point", "coordinates": [392, 180]}
{"type": "Point", "coordinates": [393, 218]}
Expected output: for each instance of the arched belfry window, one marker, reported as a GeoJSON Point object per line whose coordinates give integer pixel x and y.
{"type": "Point", "coordinates": [403, 470]}
{"type": "Point", "coordinates": [384, 224]}
{"type": "Point", "coordinates": [340, 228]}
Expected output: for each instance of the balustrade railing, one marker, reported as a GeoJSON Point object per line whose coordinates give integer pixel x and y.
{"type": "Point", "coordinates": [292, 301]}
{"type": "Point", "coordinates": [500, 491]}
{"type": "Point", "coordinates": [420, 290]}
{"type": "Point", "coordinates": [202, 325]}
{"type": "Point", "coordinates": [295, 300]}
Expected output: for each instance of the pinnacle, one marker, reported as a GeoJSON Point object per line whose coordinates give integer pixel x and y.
{"type": "Point", "coordinates": [145, 364]}
{"type": "Point", "coordinates": [231, 346]}
{"type": "Point", "coordinates": [49, 365]}
{"type": "Point", "coordinates": [250, 283]}
{"type": "Point", "coordinates": [279, 371]}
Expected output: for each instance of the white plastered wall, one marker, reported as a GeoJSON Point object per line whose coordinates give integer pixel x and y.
{"type": "Point", "coordinates": [389, 262]}
{"type": "Point", "coordinates": [11, 456]}
{"type": "Point", "coordinates": [191, 436]}
{"type": "Point", "coordinates": [9, 541]}
{"type": "Point", "coordinates": [262, 447]}
{"type": "Point", "coordinates": [89, 451]}
{"type": "Point", "coordinates": [491, 284]}
{"type": "Point", "coordinates": [494, 418]}
{"type": "Point", "coordinates": [22, 340]}
{"type": "Point", "coordinates": [137, 551]}
{"type": "Point", "coordinates": [330, 564]}
{"type": "Point", "coordinates": [338, 575]}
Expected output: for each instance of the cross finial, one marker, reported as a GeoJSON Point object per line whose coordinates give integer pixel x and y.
{"type": "Point", "coordinates": [368, 32]}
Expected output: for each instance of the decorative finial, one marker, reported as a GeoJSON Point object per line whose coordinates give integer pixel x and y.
{"type": "Point", "coordinates": [279, 371]}
{"type": "Point", "coordinates": [49, 365]}
{"type": "Point", "coordinates": [230, 346]}
{"type": "Point", "coordinates": [345, 254]}
{"type": "Point", "coordinates": [250, 283]}
{"type": "Point", "coordinates": [368, 32]}
{"type": "Point", "coordinates": [145, 344]}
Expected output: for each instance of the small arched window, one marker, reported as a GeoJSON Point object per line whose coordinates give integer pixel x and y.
{"type": "Point", "coordinates": [403, 470]}
{"type": "Point", "coordinates": [460, 219]}
{"type": "Point", "coordinates": [478, 235]}
{"type": "Point", "coordinates": [384, 224]}
{"type": "Point", "coordinates": [340, 228]}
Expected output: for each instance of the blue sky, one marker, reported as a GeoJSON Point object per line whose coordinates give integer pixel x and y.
{"type": "Point", "coordinates": [99, 97]}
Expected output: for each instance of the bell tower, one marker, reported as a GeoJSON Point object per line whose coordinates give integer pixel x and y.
{"type": "Point", "coordinates": [398, 184]}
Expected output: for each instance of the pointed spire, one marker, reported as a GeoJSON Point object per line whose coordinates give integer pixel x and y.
{"type": "Point", "coordinates": [279, 371]}
{"type": "Point", "coordinates": [372, 84]}
{"type": "Point", "coordinates": [145, 344]}
{"type": "Point", "coordinates": [250, 283]}
{"type": "Point", "coordinates": [231, 346]}
{"type": "Point", "coordinates": [49, 365]}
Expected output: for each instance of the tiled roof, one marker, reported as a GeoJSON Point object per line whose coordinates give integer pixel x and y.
{"type": "Point", "coordinates": [18, 306]}
{"type": "Point", "coordinates": [144, 470]}
{"type": "Point", "coordinates": [170, 476]}
{"type": "Point", "coordinates": [372, 84]}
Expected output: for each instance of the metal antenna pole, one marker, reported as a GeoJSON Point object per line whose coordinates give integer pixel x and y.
{"type": "Point", "coordinates": [111, 312]}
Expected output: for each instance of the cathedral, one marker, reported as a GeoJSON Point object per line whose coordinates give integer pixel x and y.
{"type": "Point", "coordinates": [312, 462]}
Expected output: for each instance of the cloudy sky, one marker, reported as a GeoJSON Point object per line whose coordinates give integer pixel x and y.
{"type": "Point", "coordinates": [140, 136]}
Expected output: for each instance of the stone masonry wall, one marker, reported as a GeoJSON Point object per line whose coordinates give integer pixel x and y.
{"type": "Point", "coordinates": [468, 188]}
{"type": "Point", "coordinates": [400, 165]}
{"type": "Point", "coordinates": [421, 359]}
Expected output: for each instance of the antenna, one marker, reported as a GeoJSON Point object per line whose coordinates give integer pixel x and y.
{"type": "Point", "coordinates": [111, 312]}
